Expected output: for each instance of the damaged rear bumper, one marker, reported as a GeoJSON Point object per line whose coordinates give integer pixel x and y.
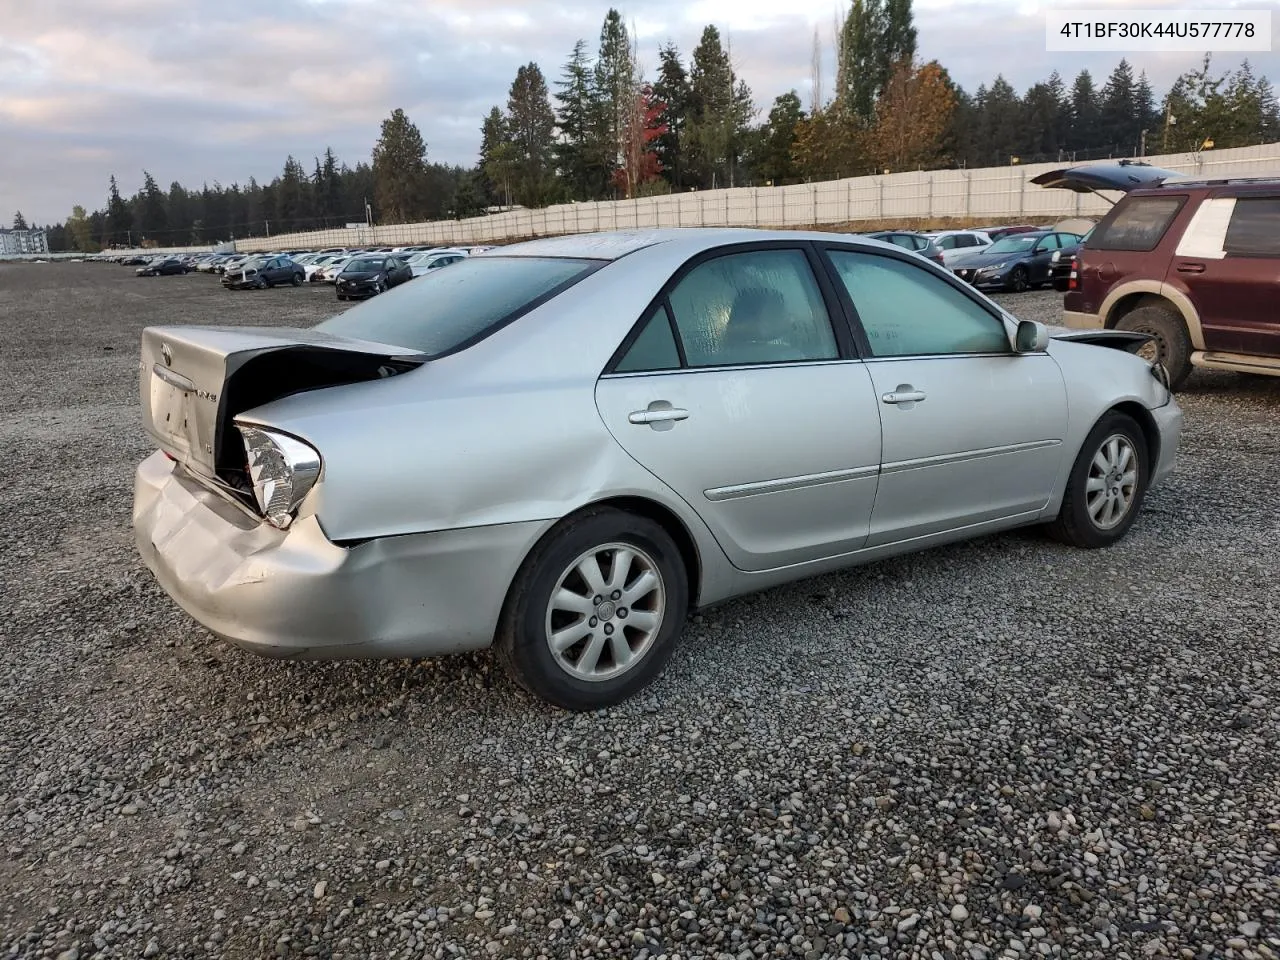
{"type": "Point", "coordinates": [295, 594]}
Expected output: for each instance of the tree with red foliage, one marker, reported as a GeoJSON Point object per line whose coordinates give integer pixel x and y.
{"type": "Point", "coordinates": [640, 163]}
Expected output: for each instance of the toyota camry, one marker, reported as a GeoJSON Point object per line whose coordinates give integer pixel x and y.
{"type": "Point", "coordinates": [561, 448]}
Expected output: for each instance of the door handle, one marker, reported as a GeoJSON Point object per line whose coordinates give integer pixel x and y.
{"type": "Point", "coordinates": [903, 396]}
{"type": "Point", "coordinates": [1191, 268]}
{"type": "Point", "coordinates": [661, 415]}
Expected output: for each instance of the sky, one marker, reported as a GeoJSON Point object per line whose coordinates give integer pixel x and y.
{"type": "Point", "coordinates": [221, 91]}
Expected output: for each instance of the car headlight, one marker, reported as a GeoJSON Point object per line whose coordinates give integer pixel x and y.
{"type": "Point", "coordinates": [283, 470]}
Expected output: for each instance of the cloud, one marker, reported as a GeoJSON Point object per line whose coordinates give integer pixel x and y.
{"type": "Point", "coordinates": [196, 93]}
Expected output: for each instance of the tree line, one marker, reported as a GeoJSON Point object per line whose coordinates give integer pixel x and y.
{"type": "Point", "coordinates": [602, 130]}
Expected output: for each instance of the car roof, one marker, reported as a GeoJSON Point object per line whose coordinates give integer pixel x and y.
{"type": "Point", "coordinates": [612, 245]}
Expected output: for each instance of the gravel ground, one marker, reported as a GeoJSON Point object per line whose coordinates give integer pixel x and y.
{"type": "Point", "coordinates": [1001, 749]}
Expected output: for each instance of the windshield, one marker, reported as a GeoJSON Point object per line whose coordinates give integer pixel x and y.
{"type": "Point", "coordinates": [1019, 243]}
{"type": "Point", "coordinates": [365, 265]}
{"type": "Point", "coordinates": [446, 310]}
{"type": "Point", "coordinates": [252, 263]}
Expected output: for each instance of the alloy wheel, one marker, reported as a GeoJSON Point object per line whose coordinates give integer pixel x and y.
{"type": "Point", "coordinates": [605, 612]}
{"type": "Point", "coordinates": [1112, 484]}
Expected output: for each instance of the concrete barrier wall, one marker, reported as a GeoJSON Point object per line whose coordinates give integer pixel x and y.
{"type": "Point", "coordinates": [990, 193]}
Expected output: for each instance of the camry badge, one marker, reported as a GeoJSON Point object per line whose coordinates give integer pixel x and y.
{"type": "Point", "coordinates": [166, 354]}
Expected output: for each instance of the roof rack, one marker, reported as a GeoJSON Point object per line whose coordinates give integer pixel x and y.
{"type": "Point", "coordinates": [1216, 181]}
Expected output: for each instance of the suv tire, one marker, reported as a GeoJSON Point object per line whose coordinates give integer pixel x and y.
{"type": "Point", "coordinates": [1106, 486]}
{"type": "Point", "coordinates": [1172, 342]}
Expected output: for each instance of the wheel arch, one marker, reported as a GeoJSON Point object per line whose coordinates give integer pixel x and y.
{"type": "Point", "coordinates": [1126, 298]}
{"type": "Point", "coordinates": [1146, 422]}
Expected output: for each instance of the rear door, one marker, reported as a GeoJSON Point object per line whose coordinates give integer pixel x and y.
{"type": "Point", "coordinates": [1228, 263]}
{"type": "Point", "coordinates": [740, 392]}
{"type": "Point", "coordinates": [972, 432]}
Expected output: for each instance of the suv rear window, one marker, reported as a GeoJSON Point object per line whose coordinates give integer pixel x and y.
{"type": "Point", "coordinates": [448, 310]}
{"type": "Point", "coordinates": [1254, 230]}
{"type": "Point", "coordinates": [1138, 224]}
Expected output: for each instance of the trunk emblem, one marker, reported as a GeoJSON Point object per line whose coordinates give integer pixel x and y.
{"type": "Point", "coordinates": [166, 354]}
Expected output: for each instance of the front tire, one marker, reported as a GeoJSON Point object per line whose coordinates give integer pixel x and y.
{"type": "Point", "coordinates": [1172, 343]}
{"type": "Point", "coordinates": [594, 613]}
{"type": "Point", "coordinates": [297, 280]}
{"type": "Point", "coordinates": [1018, 280]}
{"type": "Point", "coordinates": [1107, 485]}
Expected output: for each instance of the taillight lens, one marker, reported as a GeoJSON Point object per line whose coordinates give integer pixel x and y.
{"type": "Point", "coordinates": [1073, 278]}
{"type": "Point", "coordinates": [282, 469]}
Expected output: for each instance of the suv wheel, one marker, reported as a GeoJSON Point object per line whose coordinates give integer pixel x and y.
{"type": "Point", "coordinates": [1171, 345]}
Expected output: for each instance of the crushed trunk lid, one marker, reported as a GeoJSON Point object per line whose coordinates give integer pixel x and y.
{"type": "Point", "coordinates": [1122, 176]}
{"type": "Point", "coordinates": [194, 380]}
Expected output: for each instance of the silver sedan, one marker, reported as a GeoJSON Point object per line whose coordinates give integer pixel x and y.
{"type": "Point", "coordinates": [561, 448]}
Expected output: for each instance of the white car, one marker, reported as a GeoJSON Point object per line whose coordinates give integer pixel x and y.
{"type": "Point", "coordinates": [956, 242]}
{"type": "Point", "coordinates": [329, 272]}
{"type": "Point", "coordinates": [316, 265]}
{"type": "Point", "coordinates": [421, 263]}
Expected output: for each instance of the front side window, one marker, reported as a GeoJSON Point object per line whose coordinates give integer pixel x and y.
{"type": "Point", "coordinates": [446, 310]}
{"type": "Point", "coordinates": [1136, 225]}
{"type": "Point", "coordinates": [907, 311]}
{"type": "Point", "coordinates": [1254, 228]}
{"type": "Point", "coordinates": [762, 306]}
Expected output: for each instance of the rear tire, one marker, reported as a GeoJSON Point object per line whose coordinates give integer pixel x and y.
{"type": "Point", "coordinates": [1172, 344]}
{"type": "Point", "coordinates": [1106, 487]}
{"type": "Point", "coordinates": [562, 645]}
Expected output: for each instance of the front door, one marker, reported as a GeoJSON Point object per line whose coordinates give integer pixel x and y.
{"type": "Point", "coordinates": [1228, 263]}
{"type": "Point", "coordinates": [972, 431]}
{"type": "Point", "coordinates": [737, 395]}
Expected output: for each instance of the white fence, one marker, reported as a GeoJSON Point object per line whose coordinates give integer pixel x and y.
{"type": "Point", "coordinates": [989, 194]}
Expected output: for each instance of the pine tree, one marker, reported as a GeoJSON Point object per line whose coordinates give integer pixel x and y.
{"type": "Point", "coordinates": [1084, 113]}
{"type": "Point", "coordinates": [19, 221]}
{"type": "Point", "coordinates": [330, 201]}
{"type": "Point", "coordinates": [1118, 110]}
{"type": "Point", "coordinates": [292, 197]}
{"type": "Point", "coordinates": [530, 124]}
{"type": "Point", "coordinates": [719, 109]}
{"type": "Point", "coordinates": [775, 161]}
{"type": "Point", "coordinates": [497, 156]}
{"type": "Point", "coordinates": [615, 88]}
{"type": "Point", "coordinates": [153, 219]}
{"type": "Point", "coordinates": [672, 90]}
{"type": "Point", "coordinates": [577, 154]}
{"type": "Point", "coordinates": [399, 170]}
{"type": "Point", "coordinates": [119, 221]}
{"type": "Point", "coordinates": [1144, 108]}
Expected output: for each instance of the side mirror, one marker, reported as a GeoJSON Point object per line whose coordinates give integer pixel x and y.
{"type": "Point", "coordinates": [1031, 337]}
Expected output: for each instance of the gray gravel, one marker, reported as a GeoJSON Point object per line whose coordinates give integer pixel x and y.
{"type": "Point", "coordinates": [1001, 749]}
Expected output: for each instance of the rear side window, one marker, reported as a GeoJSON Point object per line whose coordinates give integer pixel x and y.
{"type": "Point", "coordinates": [447, 310]}
{"type": "Point", "coordinates": [1138, 224]}
{"type": "Point", "coordinates": [1254, 230]}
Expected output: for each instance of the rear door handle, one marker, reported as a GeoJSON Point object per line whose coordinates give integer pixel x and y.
{"type": "Point", "coordinates": [657, 416]}
{"type": "Point", "coordinates": [1191, 268]}
{"type": "Point", "coordinates": [903, 396]}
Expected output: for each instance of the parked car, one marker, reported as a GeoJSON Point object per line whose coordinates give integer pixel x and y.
{"type": "Point", "coordinates": [234, 262]}
{"type": "Point", "coordinates": [311, 268]}
{"type": "Point", "coordinates": [165, 267]}
{"type": "Point", "coordinates": [1191, 262]}
{"type": "Point", "coordinates": [512, 451]}
{"type": "Point", "coordinates": [1062, 265]}
{"type": "Point", "coordinates": [329, 272]}
{"type": "Point", "coordinates": [999, 233]}
{"type": "Point", "coordinates": [371, 275]}
{"type": "Point", "coordinates": [1018, 262]}
{"type": "Point", "coordinates": [262, 273]}
{"type": "Point", "coordinates": [953, 243]}
{"type": "Point", "coordinates": [421, 263]}
{"type": "Point", "coordinates": [915, 242]}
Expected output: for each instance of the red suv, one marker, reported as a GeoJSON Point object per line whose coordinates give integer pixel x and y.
{"type": "Point", "coordinates": [1193, 263]}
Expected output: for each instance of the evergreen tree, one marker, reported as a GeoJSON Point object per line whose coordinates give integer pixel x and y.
{"type": "Point", "coordinates": [152, 218]}
{"type": "Point", "coordinates": [577, 151]}
{"type": "Point", "coordinates": [119, 220]}
{"type": "Point", "coordinates": [1144, 106]}
{"type": "Point", "coordinates": [292, 197]}
{"type": "Point", "coordinates": [19, 221]}
{"type": "Point", "coordinates": [399, 170]}
{"type": "Point", "coordinates": [530, 125]}
{"type": "Point", "coordinates": [79, 231]}
{"type": "Point", "coordinates": [672, 91]}
{"type": "Point", "coordinates": [720, 108]}
{"type": "Point", "coordinates": [497, 157]}
{"type": "Point", "coordinates": [1118, 110]}
{"type": "Point", "coordinates": [616, 83]}
{"type": "Point", "coordinates": [775, 161]}
{"type": "Point", "coordinates": [1083, 133]}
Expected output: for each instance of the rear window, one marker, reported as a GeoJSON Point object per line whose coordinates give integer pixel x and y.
{"type": "Point", "coordinates": [1254, 230]}
{"type": "Point", "coordinates": [448, 310]}
{"type": "Point", "coordinates": [1138, 224]}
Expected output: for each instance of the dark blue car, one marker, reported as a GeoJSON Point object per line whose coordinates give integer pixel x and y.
{"type": "Point", "coordinates": [1017, 262]}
